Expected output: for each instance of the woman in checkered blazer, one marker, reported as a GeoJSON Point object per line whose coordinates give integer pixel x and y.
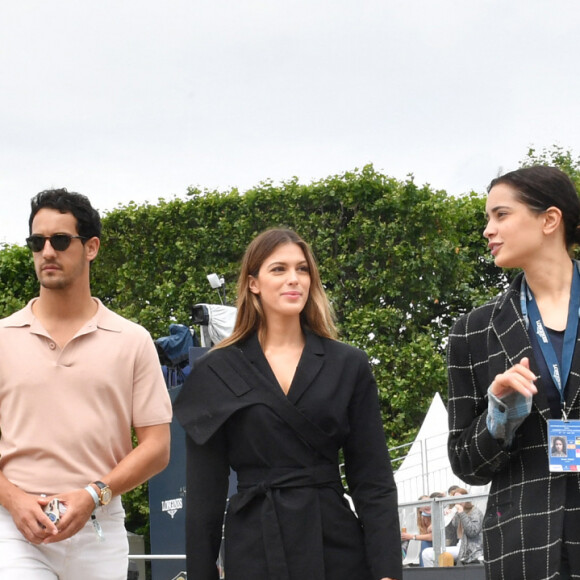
{"type": "Point", "coordinates": [505, 383]}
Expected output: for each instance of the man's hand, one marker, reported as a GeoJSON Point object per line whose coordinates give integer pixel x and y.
{"type": "Point", "coordinates": [28, 515]}
{"type": "Point", "coordinates": [78, 506]}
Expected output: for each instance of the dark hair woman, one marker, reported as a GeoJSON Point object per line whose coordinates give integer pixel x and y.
{"type": "Point", "coordinates": [513, 366]}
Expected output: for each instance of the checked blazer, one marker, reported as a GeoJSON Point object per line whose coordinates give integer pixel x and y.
{"type": "Point", "coordinates": [531, 513]}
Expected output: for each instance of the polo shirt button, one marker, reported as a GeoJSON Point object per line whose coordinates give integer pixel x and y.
{"type": "Point", "coordinates": [51, 345]}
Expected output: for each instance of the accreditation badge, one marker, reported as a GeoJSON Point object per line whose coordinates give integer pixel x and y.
{"type": "Point", "coordinates": [564, 445]}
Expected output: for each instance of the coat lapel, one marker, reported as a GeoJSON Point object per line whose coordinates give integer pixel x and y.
{"type": "Point", "coordinates": [509, 328]}
{"type": "Point", "coordinates": [255, 356]}
{"type": "Point", "coordinates": [309, 366]}
{"type": "Point", "coordinates": [573, 384]}
{"type": "Point", "coordinates": [245, 366]}
{"type": "Point", "coordinates": [311, 363]}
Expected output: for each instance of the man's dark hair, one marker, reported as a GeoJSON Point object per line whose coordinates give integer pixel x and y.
{"type": "Point", "coordinates": [88, 219]}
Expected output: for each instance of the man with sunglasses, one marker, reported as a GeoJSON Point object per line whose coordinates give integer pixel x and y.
{"type": "Point", "coordinates": [75, 378]}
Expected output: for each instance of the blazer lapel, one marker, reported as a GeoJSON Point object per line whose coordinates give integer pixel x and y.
{"type": "Point", "coordinates": [310, 364]}
{"type": "Point", "coordinates": [509, 328]}
{"type": "Point", "coordinates": [573, 384]}
{"type": "Point", "coordinates": [255, 356]}
{"type": "Point", "coordinates": [243, 366]}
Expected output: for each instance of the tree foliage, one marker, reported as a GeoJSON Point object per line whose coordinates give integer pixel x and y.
{"type": "Point", "coordinates": [400, 262]}
{"type": "Point", "coordinates": [555, 156]}
{"type": "Point", "coordinates": [17, 279]}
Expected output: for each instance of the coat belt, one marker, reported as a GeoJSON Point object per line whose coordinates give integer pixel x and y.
{"type": "Point", "coordinates": [258, 483]}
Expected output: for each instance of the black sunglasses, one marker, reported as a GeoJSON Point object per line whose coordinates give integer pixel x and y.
{"type": "Point", "coordinates": [60, 242]}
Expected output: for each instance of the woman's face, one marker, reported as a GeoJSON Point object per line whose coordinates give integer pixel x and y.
{"type": "Point", "coordinates": [283, 281]}
{"type": "Point", "coordinates": [513, 231]}
{"type": "Point", "coordinates": [559, 445]}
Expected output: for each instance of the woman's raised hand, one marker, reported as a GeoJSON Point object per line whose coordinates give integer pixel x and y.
{"type": "Point", "coordinates": [517, 378]}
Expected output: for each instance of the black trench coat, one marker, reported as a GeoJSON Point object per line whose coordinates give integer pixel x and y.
{"type": "Point", "coordinates": [289, 519]}
{"type": "Point", "coordinates": [531, 513]}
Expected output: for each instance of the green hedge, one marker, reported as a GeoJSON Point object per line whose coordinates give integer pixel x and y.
{"type": "Point", "coordinates": [400, 262]}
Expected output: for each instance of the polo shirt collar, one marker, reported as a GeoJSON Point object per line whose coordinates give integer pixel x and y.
{"type": "Point", "coordinates": [104, 318]}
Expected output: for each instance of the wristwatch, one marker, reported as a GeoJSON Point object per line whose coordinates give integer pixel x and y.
{"type": "Point", "coordinates": [105, 494]}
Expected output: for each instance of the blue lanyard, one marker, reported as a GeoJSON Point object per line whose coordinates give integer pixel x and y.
{"type": "Point", "coordinates": [528, 304]}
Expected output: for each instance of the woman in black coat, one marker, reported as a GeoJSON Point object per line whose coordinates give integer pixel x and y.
{"type": "Point", "coordinates": [502, 392]}
{"type": "Point", "coordinates": [277, 401]}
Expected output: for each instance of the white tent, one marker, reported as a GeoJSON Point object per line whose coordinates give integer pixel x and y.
{"type": "Point", "coordinates": [426, 467]}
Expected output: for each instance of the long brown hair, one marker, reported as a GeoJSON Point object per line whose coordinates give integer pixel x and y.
{"type": "Point", "coordinates": [317, 314]}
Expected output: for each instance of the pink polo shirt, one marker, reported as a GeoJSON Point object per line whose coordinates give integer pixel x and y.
{"type": "Point", "coordinates": [66, 414]}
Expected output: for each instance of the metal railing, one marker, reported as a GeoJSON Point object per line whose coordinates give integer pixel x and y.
{"type": "Point", "coordinates": [156, 556]}
{"type": "Point", "coordinates": [437, 505]}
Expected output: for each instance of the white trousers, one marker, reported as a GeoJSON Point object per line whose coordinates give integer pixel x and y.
{"type": "Point", "coordinates": [429, 555]}
{"type": "Point", "coordinates": [84, 556]}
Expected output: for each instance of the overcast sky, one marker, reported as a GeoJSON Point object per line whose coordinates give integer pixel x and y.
{"type": "Point", "coordinates": [130, 100]}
